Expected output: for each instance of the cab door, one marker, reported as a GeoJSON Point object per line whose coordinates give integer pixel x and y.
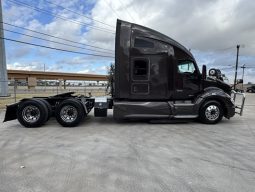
{"type": "Point", "coordinates": [149, 77]}
{"type": "Point", "coordinates": [149, 69]}
{"type": "Point", "coordinates": [187, 81]}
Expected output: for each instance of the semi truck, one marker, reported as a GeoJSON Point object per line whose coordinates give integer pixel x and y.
{"type": "Point", "coordinates": [155, 78]}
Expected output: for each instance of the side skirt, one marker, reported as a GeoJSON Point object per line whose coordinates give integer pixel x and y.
{"type": "Point", "coordinates": [154, 110]}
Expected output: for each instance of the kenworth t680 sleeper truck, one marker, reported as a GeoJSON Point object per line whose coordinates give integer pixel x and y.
{"type": "Point", "coordinates": [155, 78]}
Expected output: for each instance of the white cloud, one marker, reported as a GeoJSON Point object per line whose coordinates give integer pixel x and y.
{"type": "Point", "coordinates": [207, 27]}
{"type": "Point", "coordinates": [31, 66]}
{"type": "Point", "coordinates": [198, 24]}
{"type": "Point", "coordinates": [17, 15]}
{"type": "Point", "coordinates": [95, 70]}
{"type": "Point", "coordinates": [85, 71]}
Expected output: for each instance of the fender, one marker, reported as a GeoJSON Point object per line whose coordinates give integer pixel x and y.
{"type": "Point", "coordinates": [11, 111]}
{"type": "Point", "coordinates": [215, 93]}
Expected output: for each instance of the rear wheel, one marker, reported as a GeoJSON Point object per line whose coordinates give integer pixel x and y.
{"type": "Point", "coordinates": [211, 112]}
{"type": "Point", "coordinates": [69, 113]}
{"type": "Point", "coordinates": [32, 113]}
{"type": "Point", "coordinates": [50, 113]}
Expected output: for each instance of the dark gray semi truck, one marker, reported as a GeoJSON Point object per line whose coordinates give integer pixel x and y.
{"type": "Point", "coordinates": [155, 78]}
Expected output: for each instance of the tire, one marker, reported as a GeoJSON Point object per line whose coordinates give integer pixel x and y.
{"type": "Point", "coordinates": [212, 72]}
{"type": "Point", "coordinates": [211, 112]}
{"type": "Point", "coordinates": [32, 113]}
{"type": "Point", "coordinates": [50, 112]}
{"type": "Point", "coordinates": [70, 113]}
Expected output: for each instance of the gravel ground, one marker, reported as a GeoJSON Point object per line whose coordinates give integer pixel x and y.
{"type": "Point", "coordinates": [104, 155]}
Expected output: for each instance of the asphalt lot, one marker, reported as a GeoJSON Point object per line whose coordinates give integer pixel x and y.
{"type": "Point", "coordinates": [102, 155]}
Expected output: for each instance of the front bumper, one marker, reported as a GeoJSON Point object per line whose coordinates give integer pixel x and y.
{"type": "Point", "coordinates": [239, 106]}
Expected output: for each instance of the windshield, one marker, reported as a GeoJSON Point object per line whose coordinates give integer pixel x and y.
{"type": "Point", "coordinates": [186, 67]}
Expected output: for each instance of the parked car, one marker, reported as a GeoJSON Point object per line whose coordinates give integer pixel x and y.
{"type": "Point", "coordinates": [251, 89]}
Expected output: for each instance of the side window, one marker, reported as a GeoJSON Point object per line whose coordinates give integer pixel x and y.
{"type": "Point", "coordinates": [140, 69]}
{"type": "Point", "coordinates": [186, 67]}
{"type": "Point", "coordinates": [142, 43]}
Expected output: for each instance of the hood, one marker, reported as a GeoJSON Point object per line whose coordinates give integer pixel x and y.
{"type": "Point", "coordinates": [218, 84]}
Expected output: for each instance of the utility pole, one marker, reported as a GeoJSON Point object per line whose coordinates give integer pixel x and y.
{"type": "Point", "coordinates": [243, 67]}
{"type": "Point", "coordinates": [3, 68]}
{"type": "Point", "coordinates": [237, 55]}
{"type": "Point", "coordinates": [45, 82]}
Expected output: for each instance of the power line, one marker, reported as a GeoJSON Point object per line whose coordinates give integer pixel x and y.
{"type": "Point", "coordinates": [83, 15]}
{"type": "Point", "coordinates": [224, 49]}
{"type": "Point", "coordinates": [58, 49]}
{"type": "Point", "coordinates": [127, 11]}
{"type": "Point", "coordinates": [212, 51]}
{"type": "Point", "coordinates": [232, 66]}
{"type": "Point", "coordinates": [61, 17]}
{"type": "Point", "coordinates": [53, 41]}
{"type": "Point", "coordinates": [56, 37]}
{"type": "Point", "coordinates": [113, 10]}
{"type": "Point", "coordinates": [134, 8]}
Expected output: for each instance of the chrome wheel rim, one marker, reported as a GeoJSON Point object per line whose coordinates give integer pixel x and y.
{"type": "Point", "coordinates": [31, 114]}
{"type": "Point", "coordinates": [212, 112]}
{"type": "Point", "coordinates": [68, 113]}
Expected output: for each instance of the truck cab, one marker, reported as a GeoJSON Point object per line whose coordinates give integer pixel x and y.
{"type": "Point", "coordinates": [158, 78]}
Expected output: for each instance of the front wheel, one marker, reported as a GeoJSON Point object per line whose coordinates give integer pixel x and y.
{"type": "Point", "coordinates": [211, 112]}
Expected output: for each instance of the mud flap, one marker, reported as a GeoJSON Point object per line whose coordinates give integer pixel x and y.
{"type": "Point", "coordinates": [11, 112]}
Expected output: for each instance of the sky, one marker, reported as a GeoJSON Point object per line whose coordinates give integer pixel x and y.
{"type": "Point", "coordinates": [211, 29]}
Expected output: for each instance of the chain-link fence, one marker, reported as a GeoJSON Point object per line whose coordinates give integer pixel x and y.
{"type": "Point", "coordinates": [19, 89]}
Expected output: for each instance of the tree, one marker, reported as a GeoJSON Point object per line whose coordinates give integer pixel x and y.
{"type": "Point", "coordinates": [110, 83]}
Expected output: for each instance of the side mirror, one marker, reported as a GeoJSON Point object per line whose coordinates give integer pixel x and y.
{"type": "Point", "coordinates": [204, 72]}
